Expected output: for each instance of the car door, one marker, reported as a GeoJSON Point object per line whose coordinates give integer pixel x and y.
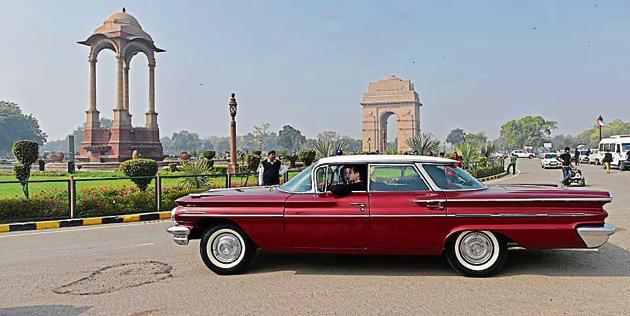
{"type": "Point", "coordinates": [406, 215]}
{"type": "Point", "coordinates": [325, 222]}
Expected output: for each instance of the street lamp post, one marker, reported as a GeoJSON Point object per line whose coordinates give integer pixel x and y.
{"type": "Point", "coordinates": [233, 167]}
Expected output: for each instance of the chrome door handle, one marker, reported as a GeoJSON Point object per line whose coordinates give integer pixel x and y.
{"type": "Point", "coordinates": [360, 205]}
{"type": "Point", "coordinates": [432, 204]}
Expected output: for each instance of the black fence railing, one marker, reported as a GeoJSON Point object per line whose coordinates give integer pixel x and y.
{"type": "Point", "coordinates": [77, 197]}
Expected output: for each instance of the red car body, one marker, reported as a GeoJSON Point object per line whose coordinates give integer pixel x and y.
{"type": "Point", "coordinates": [408, 222]}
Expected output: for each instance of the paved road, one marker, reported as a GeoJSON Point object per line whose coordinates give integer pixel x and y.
{"type": "Point", "coordinates": [136, 269]}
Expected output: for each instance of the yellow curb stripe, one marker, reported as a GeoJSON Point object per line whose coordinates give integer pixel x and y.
{"type": "Point", "coordinates": [165, 215]}
{"type": "Point", "coordinates": [92, 221]}
{"type": "Point", "coordinates": [131, 218]}
{"type": "Point", "coordinates": [47, 225]}
{"type": "Point", "coordinates": [4, 228]}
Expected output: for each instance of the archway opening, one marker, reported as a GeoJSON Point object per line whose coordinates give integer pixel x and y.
{"type": "Point", "coordinates": [138, 89]}
{"type": "Point", "coordinates": [106, 83]}
{"type": "Point", "coordinates": [388, 132]}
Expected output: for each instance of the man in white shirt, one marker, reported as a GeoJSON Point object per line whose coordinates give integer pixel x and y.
{"type": "Point", "coordinates": [270, 170]}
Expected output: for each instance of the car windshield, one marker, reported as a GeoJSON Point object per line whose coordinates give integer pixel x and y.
{"type": "Point", "coordinates": [450, 177]}
{"type": "Point", "coordinates": [302, 182]}
{"type": "Point", "coordinates": [625, 147]}
{"type": "Point", "coordinates": [550, 156]}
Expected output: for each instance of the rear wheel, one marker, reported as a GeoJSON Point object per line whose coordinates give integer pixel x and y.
{"type": "Point", "coordinates": [226, 249]}
{"type": "Point", "coordinates": [622, 166]}
{"type": "Point", "coordinates": [476, 253]}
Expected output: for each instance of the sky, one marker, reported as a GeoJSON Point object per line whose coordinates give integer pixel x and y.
{"type": "Point", "coordinates": [475, 64]}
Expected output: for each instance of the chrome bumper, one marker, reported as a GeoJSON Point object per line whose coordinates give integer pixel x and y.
{"type": "Point", "coordinates": [595, 237]}
{"type": "Point", "coordinates": [180, 234]}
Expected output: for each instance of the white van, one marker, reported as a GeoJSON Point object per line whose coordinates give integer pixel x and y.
{"type": "Point", "coordinates": [618, 145]}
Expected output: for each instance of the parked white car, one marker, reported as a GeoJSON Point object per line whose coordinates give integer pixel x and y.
{"type": "Point", "coordinates": [522, 154]}
{"type": "Point", "coordinates": [550, 160]}
{"type": "Point", "coordinates": [593, 158]}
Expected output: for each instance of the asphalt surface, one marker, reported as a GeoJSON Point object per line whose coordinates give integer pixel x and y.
{"type": "Point", "coordinates": [136, 269]}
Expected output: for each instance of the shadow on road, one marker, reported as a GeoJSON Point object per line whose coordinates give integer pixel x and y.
{"type": "Point", "coordinates": [610, 261]}
{"type": "Point", "coordinates": [41, 310]}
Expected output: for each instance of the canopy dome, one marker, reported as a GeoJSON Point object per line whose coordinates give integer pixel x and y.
{"type": "Point", "coordinates": [122, 24]}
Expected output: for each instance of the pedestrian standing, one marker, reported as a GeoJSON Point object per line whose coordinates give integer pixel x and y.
{"type": "Point", "coordinates": [577, 157]}
{"type": "Point", "coordinates": [270, 170]}
{"type": "Point", "coordinates": [565, 159]}
{"type": "Point", "coordinates": [512, 164]}
{"type": "Point", "coordinates": [608, 158]}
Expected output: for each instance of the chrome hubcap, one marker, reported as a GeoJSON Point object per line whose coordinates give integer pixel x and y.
{"type": "Point", "coordinates": [476, 248]}
{"type": "Point", "coordinates": [226, 248]}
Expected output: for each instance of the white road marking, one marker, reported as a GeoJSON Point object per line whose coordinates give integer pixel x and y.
{"type": "Point", "coordinates": [68, 229]}
{"type": "Point", "coordinates": [518, 172]}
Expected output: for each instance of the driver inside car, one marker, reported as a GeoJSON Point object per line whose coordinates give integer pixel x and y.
{"type": "Point", "coordinates": [356, 180]}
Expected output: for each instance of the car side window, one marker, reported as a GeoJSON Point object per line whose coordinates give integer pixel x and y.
{"type": "Point", "coordinates": [321, 178]}
{"type": "Point", "coordinates": [396, 178]}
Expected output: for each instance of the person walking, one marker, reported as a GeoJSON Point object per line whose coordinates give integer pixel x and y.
{"type": "Point", "coordinates": [608, 158]}
{"type": "Point", "coordinates": [577, 157]}
{"type": "Point", "coordinates": [565, 160]}
{"type": "Point", "coordinates": [270, 170]}
{"type": "Point", "coordinates": [512, 164]}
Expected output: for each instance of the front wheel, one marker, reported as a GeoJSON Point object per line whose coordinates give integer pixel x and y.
{"type": "Point", "coordinates": [226, 249]}
{"type": "Point", "coordinates": [476, 253]}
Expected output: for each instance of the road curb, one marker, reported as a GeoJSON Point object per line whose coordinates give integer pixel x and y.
{"type": "Point", "coordinates": [496, 176]}
{"type": "Point", "coordinates": [127, 218]}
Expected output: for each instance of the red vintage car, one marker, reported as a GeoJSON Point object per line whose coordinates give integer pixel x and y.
{"type": "Point", "coordinates": [386, 204]}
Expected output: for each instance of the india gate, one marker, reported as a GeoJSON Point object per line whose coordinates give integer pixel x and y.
{"type": "Point", "coordinates": [390, 96]}
{"type": "Point", "coordinates": [121, 33]}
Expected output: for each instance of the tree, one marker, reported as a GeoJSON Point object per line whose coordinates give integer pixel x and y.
{"type": "Point", "coordinates": [185, 140]}
{"type": "Point", "coordinates": [456, 136]}
{"type": "Point", "coordinates": [307, 156]}
{"type": "Point", "coordinates": [478, 140]}
{"type": "Point", "coordinates": [290, 138]}
{"type": "Point", "coordinates": [527, 130]}
{"type": "Point", "coordinates": [424, 143]}
{"type": "Point", "coordinates": [590, 136]}
{"type": "Point", "coordinates": [26, 152]}
{"type": "Point", "coordinates": [15, 125]}
{"type": "Point", "coordinates": [261, 134]}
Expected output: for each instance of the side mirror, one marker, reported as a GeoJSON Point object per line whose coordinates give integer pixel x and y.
{"type": "Point", "coordinates": [340, 190]}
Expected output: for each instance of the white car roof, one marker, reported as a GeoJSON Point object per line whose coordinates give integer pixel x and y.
{"type": "Point", "coordinates": [384, 159]}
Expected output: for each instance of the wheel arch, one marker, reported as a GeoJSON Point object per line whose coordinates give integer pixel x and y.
{"type": "Point", "coordinates": [501, 234]}
{"type": "Point", "coordinates": [203, 224]}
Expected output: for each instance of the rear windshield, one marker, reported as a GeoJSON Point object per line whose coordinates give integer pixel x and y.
{"type": "Point", "coordinates": [450, 177]}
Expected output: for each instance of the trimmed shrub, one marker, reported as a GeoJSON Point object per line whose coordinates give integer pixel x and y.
{"type": "Point", "coordinates": [307, 156]}
{"type": "Point", "coordinates": [141, 167]}
{"type": "Point", "coordinates": [220, 169]}
{"type": "Point", "coordinates": [26, 152]}
{"type": "Point", "coordinates": [252, 161]}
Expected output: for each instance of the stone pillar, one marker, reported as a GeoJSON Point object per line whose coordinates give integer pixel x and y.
{"type": "Point", "coordinates": [151, 115]}
{"type": "Point", "coordinates": [92, 119]}
{"type": "Point", "coordinates": [120, 114]}
{"type": "Point", "coordinates": [126, 91]}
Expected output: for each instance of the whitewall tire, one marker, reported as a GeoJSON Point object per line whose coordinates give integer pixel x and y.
{"type": "Point", "coordinates": [226, 249]}
{"type": "Point", "coordinates": [476, 253]}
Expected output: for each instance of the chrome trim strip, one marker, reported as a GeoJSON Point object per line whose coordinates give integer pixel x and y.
{"type": "Point", "coordinates": [430, 201]}
{"type": "Point", "coordinates": [535, 200]}
{"type": "Point", "coordinates": [520, 215]}
{"type": "Point", "coordinates": [409, 215]}
{"type": "Point", "coordinates": [229, 215]}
